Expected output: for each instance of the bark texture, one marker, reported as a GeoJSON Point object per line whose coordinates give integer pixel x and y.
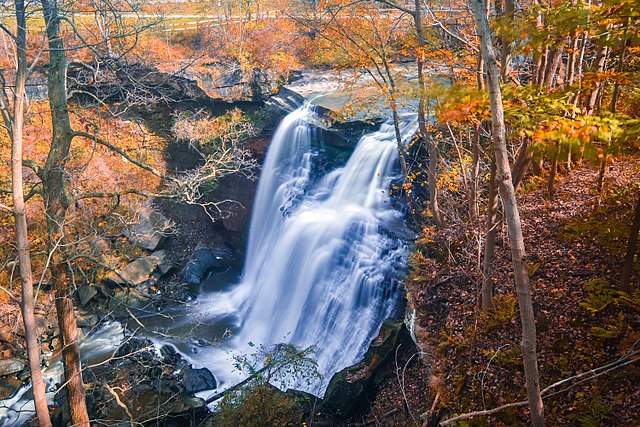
{"type": "Point", "coordinates": [490, 241]}
{"type": "Point", "coordinates": [632, 246]}
{"type": "Point", "coordinates": [56, 206]}
{"type": "Point", "coordinates": [19, 213]}
{"type": "Point", "coordinates": [422, 117]}
{"type": "Point", "coordinates": [507, 191]}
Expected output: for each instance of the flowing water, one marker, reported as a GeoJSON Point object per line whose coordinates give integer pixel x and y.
{"type": "Point", "coordinates": [321, 270]}
{"type": "Point", "coordinates": [95, 348]}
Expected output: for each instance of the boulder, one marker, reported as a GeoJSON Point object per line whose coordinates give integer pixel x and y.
{"type": "Point", "coordinates": [9, 387]}
{"type": "Point", "coordinates": [86, 292]}
{"type": "Point", "coordinates": [205, 260]}
{"type": "Point", "coordinates": [164, 263]}
{"type": "Point", "coordinates": [11, 366]}
{"type": "Point", "coordinates": [350, 390]}
{"type": "Point", "coordinates": [101, 245]}
{"type": "Point", "coordinates": [136, 272]}
{"type": "Point", "coordinates": [195, 380]}
{"type": "Point", "coordinates": [143, 404]}
{"type": "Point", "coordinates": [86, 320]}
{"type": "Point", "coordinates": [150, 230]}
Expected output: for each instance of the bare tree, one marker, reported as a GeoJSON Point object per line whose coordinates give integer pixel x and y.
{"type": "Point", "coordinates": [507, 191]}
{"type": "Point", "coordinates": [13, 113]}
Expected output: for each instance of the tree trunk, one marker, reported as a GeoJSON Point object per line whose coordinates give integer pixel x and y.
{"type": "Point", "coordinates": [514, 225]}
{"type": "Point", "coordinates": [490, 241]}
{"type": "Point", "coordinates": [601, 173]}
{"type": "Point", "coordinates": [19, 213]}
{"type": "Point", "coordinates": [56, 205]}
{"type": "Point", "coordinates": [475, 171]}
{"type": "Point", "coordinates": [627, 269]}
{"type": "Point", "coordinates": [601, 61]}
{"type": "Point", "coordinates": [522, 163]}
{"type": "Point", "coordinates": [432, 172]}
{"type": "Point", "coordinates": [553, 173]}
{"type": "Point", "coordinates": [571, 61]}
{"type": "Point", "coordinates": [553, 61]}
{"type": "Point", "coordinates": [505, 64]}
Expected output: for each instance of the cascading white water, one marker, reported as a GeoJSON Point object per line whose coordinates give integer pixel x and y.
{"type": "Point", "coordinates": [319, 269]}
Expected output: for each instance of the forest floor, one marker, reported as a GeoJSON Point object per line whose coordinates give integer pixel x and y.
{"type": "Point", "coordinates": [472, 361]}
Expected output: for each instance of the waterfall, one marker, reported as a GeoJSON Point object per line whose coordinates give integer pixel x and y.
{"type": "Point", "coordinates": [320, 271]}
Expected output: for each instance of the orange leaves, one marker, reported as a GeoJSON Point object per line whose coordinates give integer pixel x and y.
{"type": "Point", "coordinates": [462, 105]}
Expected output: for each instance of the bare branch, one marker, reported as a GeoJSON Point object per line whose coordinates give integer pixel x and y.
{"type": "Point", "coordinates": [624, 360]}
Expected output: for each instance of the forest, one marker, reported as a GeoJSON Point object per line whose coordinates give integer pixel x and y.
{"type": "Point", "coordinates": [319, 213]}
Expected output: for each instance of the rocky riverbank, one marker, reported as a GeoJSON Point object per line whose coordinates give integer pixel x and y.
{"type": "Point", "coordinates": [177, 247]}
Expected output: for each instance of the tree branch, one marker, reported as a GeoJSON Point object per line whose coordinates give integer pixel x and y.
{"type": "Point", "coordinates": [101, 195]}
{"type": "Point", "coordinates": [120, 151]}
{"type": "Point", "coordinates": [593, 373]}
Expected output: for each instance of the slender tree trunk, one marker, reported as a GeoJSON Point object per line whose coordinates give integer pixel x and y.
{"type": "Point", "coordinates": [542, 67]}
{"type": "Point", "coordinates": [522, 163]}
{"type": "Point", "coordinates": [555, 55]}
{"type": "Point", "coordinates": [538, 57]}
{"type": "Point", "coordinates": [490, 241]}
{"type": "Point", "coordinates": [19, 213]}
{"type": "Point", "coordinates": [505, 59]}
{"type": "Point", "coordinates": [571, 61]}
{"type": "Point", "coordinates": [475, 171]}
{"type": "Point", "coordinates": [601, 173]}
{"type": "Point", "coordinates": [480, 73]}
{"type": "Point", "coordinates": [514, 225]}
{"type": "Point", "coordinates": [627, 269]}
{"type": "Point", "coordinates": [56, 205]}
{"type": "Point", "coordinates": [553, 173]}
{"type": "Point", "coordinates": [601, 61]}
{"type": "Point", "coordinates": [432, 150]}
{"type": "Point", "coordinates": [612, 108]}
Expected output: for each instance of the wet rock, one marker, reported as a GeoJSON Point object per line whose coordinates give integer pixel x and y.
{"type": "Point", "coordinates": [351, 389]}
{"type": "Point", "coordinates": [11, 366]}
{"type": "Point", "coordinates": [195, 380]}
{"type": "Point", "coordinates": [86, 320]}
{"type": "Point", "coordinates": [86, 292]}
{"type": "Point", "coordinates": [9, 387]}
{"type": "Point", "coordinates": [164, 263]}
{"type": "Point", "coordinates": [101, 245]}
{"type": "Point", "coordinates": [205, 260]}
{"type": "Point", "coordinates": [136, 272]}
{"type": "Point", "coordinates": [122, 299]}
{"type": "Point", "coordinates": [150, 231]}
{"type": "Point", "coordinates": [133, 345]}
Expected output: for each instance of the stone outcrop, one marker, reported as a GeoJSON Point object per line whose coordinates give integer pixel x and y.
{"type": "Point", "coordinates": [350, 390]}
{"type": "Point", "coordinates": [204, 260]}
{"type": "Point", "coordinates": [150, 230]}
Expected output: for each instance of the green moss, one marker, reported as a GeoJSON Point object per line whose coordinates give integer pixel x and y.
{"type": "Point", "coordinates": [608, 233]}
{"type": "Point", "coordinates": [257, 406]}
{"type": "Point", "coordinates": [602, 295]}
{"type": "Point", "coordinates": [500, 315]}
{"type": "Point", "coordinates": [591, 411]}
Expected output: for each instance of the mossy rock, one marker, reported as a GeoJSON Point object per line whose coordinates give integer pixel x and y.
{"type": "Point", "coordinates": [351, 389]}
